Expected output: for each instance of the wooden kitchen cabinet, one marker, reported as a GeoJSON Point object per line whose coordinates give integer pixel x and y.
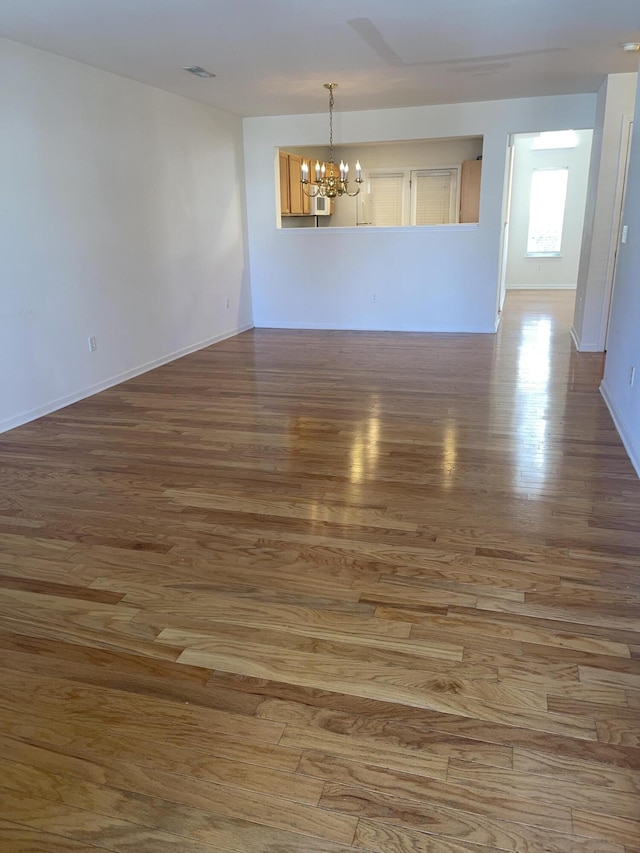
{"type": "Point", "coordinates": [470, 191]}
{"type": "Point", "coordinates": [285, 203]}
{"type": "Point", "coordinates": [293, 201]}
{"type": "Point", "coordinates": [299, 200]}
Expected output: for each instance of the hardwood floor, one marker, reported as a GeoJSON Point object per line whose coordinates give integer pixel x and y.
{"type": "Point", "coordinates": [312, 592]}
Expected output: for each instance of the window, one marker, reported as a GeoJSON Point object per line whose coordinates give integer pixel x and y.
{"type": "Point", "coordinates": [546, 211]}
{"type": "Point", "coordinates": [386, 198]}
{"type": "Point", "coordinates": [433, 196]}
{"type": "Point", "coordinates": [411, 197]}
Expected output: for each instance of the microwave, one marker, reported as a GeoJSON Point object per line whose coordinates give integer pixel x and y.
{"type": "Point", "coordinates": [320, 206]}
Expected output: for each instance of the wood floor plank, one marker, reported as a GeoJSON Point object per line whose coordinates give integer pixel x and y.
{"type": "Point", "coordinates": [387, 838]}
{"type": "Point", "coordinates": [383, 649]}
{"type": "Point", "coordinates": [94, 828]}
{"type": "Point", "coordinates": [21, 647]}
{"type": "Point", "coordinates": [392, 757]}
{"type": "Point", "coordinates": [266, 616]}
{"type": "Point", "coordinates": [24, 600]}
{"type": "Point", "coordinates": [595, 675]}
{"type": "Point", "coordinates": [335, 658]}
{"type": "Point", "coordinates": [120, 671]}
{"type": "Point", "coordinates": [327, 514]}
{"type": "Point", "coordinates": [321, 591]}
{"type": "Point", "coordinates": [382, 796]}
{"type": "Point", "coordinates": [580, 658]}
{"type": "Point", "coordinates": [476, 625]}
{"type": "Point", "coordinates": [412, 690]}
{"type": "Point", "coordinates": [390, 797]}
{"type": "Point", "coordinates": [448, 795]}
{"type": "Point", "coordinates": [592, 616]}
{"type": "Point", "coordinates": [18, 838]}
{"type": "Point", "coordinates": [479, 731]}
{"type": "Point", "coordinates": [604, 827]}
{"type": "Point", "coordinates": [87, 739]}
{"type": "Point", "coordinates": [107, 634]}
{"type": "Point", "coordinates": [59, 699]}
{"type": "Point", "coordinates": [91, 764]}
{"type": "Point", "coordinates": [131, 793]}
{"type": "Point", "coordinates": [41, 587]}
{"type": "Point", "coordinates": [96, 738]}
{"type": "Point", "coordinates": [576, 770]}
{"type": "Point", "coordinates": [425, 740]}
{"type": "Point", "coordinates": [546, 790]}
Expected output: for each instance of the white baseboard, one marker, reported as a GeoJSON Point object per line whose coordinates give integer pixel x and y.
{"type": "Point", "coordinates": [61, 402]}
{"type": "Point", "coordinates": [541, 287]}
{"type": "Point", "coordinates": [351, 327]}
{"type": "Point", "coordinates": [633, 455]}
{"type": "Point", "coordinates": [574, 338]}
{"type": "Point", "coordinates": [582, 347]}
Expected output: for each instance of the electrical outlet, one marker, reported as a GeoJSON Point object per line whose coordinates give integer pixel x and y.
{"type": "Point", "coordinates": [374, 297]}
{"type": "Point", "coordinates": [93, 345]}
{"type": "Point", "coordinates": [632, 376]}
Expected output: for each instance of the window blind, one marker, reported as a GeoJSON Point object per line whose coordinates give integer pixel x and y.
{"type": "Point", "coordinates": [434, 194]}
{"type": "Point", "coordinates": [386, 198]}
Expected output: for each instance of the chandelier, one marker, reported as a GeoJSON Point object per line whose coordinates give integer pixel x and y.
{"type": "Point", "coordinates": [330, 180]}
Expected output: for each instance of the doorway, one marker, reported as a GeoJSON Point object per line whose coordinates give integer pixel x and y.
{"type": "Point", "coordinates": [545, 192]}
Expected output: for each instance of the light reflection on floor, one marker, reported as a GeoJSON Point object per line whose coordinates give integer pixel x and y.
{"type": "Point", "coordinates": [532, 404]}
{"type": "Point", "coordinates": [449, 454]}
{"type": "Point", "coordinates": [363, 454]}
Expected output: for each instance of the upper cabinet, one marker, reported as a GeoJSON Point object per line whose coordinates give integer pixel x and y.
{"type": "Point", "coordinates": [285, 203]}
{"type": "Point", "coordinates": [470, 191]}
{"type": "Point", "coordinates": [293, 201]}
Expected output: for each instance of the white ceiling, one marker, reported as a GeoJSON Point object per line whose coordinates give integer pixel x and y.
{"type": "Point", "coordinates": [271, 57]}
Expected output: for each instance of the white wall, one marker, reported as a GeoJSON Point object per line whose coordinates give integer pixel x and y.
{"type": "Point", "coordinates": [615, 100]}
{"type": "Point", "coordinates": [121, 217]}
{"type": "Point", "coordinates": [524, 272]}
{"type": "Point", "coordinates": [441, 278]}
{"type": "Point", "coordinates": [623, 346]}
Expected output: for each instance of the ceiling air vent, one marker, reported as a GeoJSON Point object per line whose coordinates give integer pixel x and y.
{"type": "Point", "coordinates": [199, 72]}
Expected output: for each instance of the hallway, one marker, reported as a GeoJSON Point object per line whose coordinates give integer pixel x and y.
{"type": "Point", "coordinates": [317, 592]}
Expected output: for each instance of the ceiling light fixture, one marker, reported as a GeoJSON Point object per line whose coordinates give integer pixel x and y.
{"type": "Point", "coordinates": [328, 182]}
{"type": "Point", "coordinates": [199, 72]}
{"type": "Point", "coordinates": [631, 46]}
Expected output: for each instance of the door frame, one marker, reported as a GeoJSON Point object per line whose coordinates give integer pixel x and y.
{"type": "Point", "coordinates": [504, 230]}
{"type": "Point", "coordinates": [616, 231]}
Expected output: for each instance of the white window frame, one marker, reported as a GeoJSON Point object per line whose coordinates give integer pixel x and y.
{"type": "Point", "coordinates": [408, 193]}
{"type": "Point", "coordinates": [391, 173]}
{"type": "Point", "coordinates": [454, 192]}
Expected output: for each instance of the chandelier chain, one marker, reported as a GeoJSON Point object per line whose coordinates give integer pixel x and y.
{"type": "Point", "coordinates": [331, 102]}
